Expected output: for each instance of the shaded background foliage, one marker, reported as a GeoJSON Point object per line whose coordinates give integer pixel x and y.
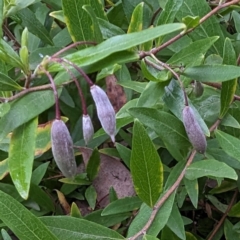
{"type": "Point", "coordinates": [151, 183]}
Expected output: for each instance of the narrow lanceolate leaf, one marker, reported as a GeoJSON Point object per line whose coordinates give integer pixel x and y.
{"type": "Point", "coordinates": [228, 87]}
{"type": "Point", "coordinates": [21, 221]}
{"type": "Point", "coordinates": [95, 25]}
{"type": "Point", "coordinates": [67, 228]}
{"type": "Point", "coordinates": [169, 12]}
{"type": "Point", "coordinates": [207, 29]}
{"type": "Point", "coordinates": [78, 20]}
{"type": "Point", "coordinates": [211, 168]}
{"type": "Point", "coordinates": [8, 84]}
{"type": "Point", "coordinates": [158, 223]}
{"type": "Point", "coordinates": [24, 109]}
{"type": "Point", "coordinates": [212, 73]}
{"type": "Point", "coordinates": [119, 43]}
{"type": "Point", "coordinates": [29, 20]}
{"type": "Point", "coordinates": [136, 19]}
{"type": "Point", "coordinates": [21, 156]}
{"type": "Point", "coordinates": [122, 205]}
{"type": "Point", "coordinates": [146, 166]}
{"type": "Point", "coordinates": [229, 144]}
{"type": "Point", "coordinates": [168, 127]}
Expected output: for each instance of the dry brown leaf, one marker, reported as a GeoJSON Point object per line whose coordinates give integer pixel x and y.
{"type": "Point", "coordinates": [112, 173]}
{"type": "Point", "coordinates": [115, 93]}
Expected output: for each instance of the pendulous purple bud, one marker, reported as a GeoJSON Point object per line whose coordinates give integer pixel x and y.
{"type": "Point", "coordinates": [88, 130]}
{"type": "Point", "coordinates": [105, 111]}
{"type": "Point", "coordinates": [62, 148]}
{"type": "Point", "coordinates": [194, 131]}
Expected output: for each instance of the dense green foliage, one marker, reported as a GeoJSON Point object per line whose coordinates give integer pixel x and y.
{"type": "Point", "coordinates": [170, 71]}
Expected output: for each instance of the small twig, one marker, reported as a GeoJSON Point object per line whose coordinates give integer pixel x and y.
{"type": "Point", "coordinates": [168, 192]}
{"type": "Point", "coordinates": [11, 36]}
{"type": "Point", "coordinates": [175, 74]}
{"type": "Point", "coordinates": [164, 198]}
{"type": "Point", "coordinates": [224, 216]}
{"type": "Point", "coordinates": [174, 39]}
{"type": "Point", "coordinates": [72, 46]}
{"type": "Point", "coordinates": [85, 76]}
{"type": "Point", "coordinates": [54, 88]}
{"type": "Point", "coordinates": [80, 92]}
{"type": "Point", "coordinates": [155, 15]}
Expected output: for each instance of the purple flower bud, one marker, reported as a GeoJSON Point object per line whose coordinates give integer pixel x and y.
{"type": "Point", "coordinates": [62, 148]}
{"type": "Point", "coordinates": [194, 131]}
{"type": "Point", "coordinates": [88, 130]}
{"type": "Point", "coordinates": [105, 111]}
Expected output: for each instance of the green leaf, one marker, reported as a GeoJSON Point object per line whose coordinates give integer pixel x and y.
{"type": "Point", "coordinates": [229, 232]}
{"type": "Point", "coordinates": [108, 71]}
{"type": "Point", "coordinates": [169, 12]}
{"type": "Point", "coordinates": [116, 44]}
{"type": "Point", "coordinates": [229, 144]}
{"type": "Point", "coordinates": [146, 167]}
{"type": "Point", "coordinates": [175, 222]}
{"type": "Point", "coordinates": [66, 228]}
{"type": "Point", "coordinates": [210, 167]}
{"type": "Point", "coordinates": [229, 87]}
{"type": "Point", "coordinates": [235, 210]}
{"type": "Point", "coordinates": [3, 168]}
{"type": "Point", "coordinates": [190, 21]}
{"type": "Point", "coordinates": [5, 235]}
{"type": "Point", "coordinates": [34, 26]}
{"type": "Point", "coordinates": [158, 223]}
{"type": "Point", "coordinates": [24, 109]}
{"type": "Point", "coordinates": [136, 22]}
{"type": "Point", "coordinates": [168, 127]}
{"type": "Point", "coordinates": [93, 165]}
{"type": "Point", "coordinates": [21, 156]}
{"type": "Point", "coordinates": [150, 96]}
{"type": "Point", "coordinates": [193, 51]}
{"type": "Point", "coordinates": [212, 73]}
{"type": "Point", "coordinates": [236, 18]}
{"type": "Point", "coordinates": [78, 21]}
{"type": "Point", "coordinates": [209, 28]}
{"type": "Point", "coordinates": [106, 221]}
{"type": "Point", "coordinates": [136, 86]}
{"type": "Point", "coordinates": [8, 84]}
{"type": "Point", "coordinates": [95, 25]}
{"type": "Point", "coordinates": [41, 198]}
{"type": "Point", "coordinates": [91, 196]}
{"type": "Point", "coordinates": [21, 221]}
{"type": "Point", "coordinates": [38, 173]}
{"type": "Point", "coordinates": [192, 190]}
{"type": "Point", "coordinates": [1, 17]}
{"type": "Point", "coordinates": [75, 211]}
{"type": "Point", "coordinates": [9, 56]}
{"type": "Point", "coordinates": [174, 99]}
{"type": "Point", "coordinates": [125, 153]}
{"type": "Point", "coordinates": [18, 5]}
{"type": "Point", "coordinates": [122, 205]}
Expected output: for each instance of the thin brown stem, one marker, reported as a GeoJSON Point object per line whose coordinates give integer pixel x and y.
{"type": "Point", "coordinates": [54, 88]}
{"type": "Point", "coordinates": [85, 76]}
{"type": "Point", "coordinates": [80, 92]}
{"type": "Point", "coordinates": [72, 46]}
{"type": "Point", "coordinates": [167, 194]}
{"type": "Point", "coordinates": [174, 39]}
{"type": "Point", "coordinates": [224, 216]}
{"type": "Point", "coordinates": [174, 74]}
